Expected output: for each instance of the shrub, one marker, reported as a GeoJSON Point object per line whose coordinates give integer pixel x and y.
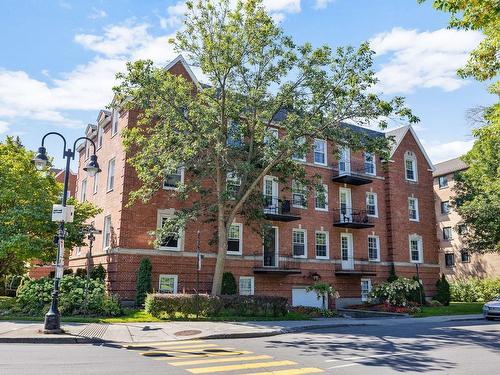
{"type": "Point", "coordinates": [474, 290]}
{"type": "Point", "coordinates": [170, 305]}
{"type": "Point", "coordinates": [313, 312]}
{"type": "Point", "coordinates": [34, 297]}
{"type": "Point", "coordinates": [98, 273]}
{"type": "Point", "coordinates": [396, 293]}
{"type": "Point", "coordinates": [443, 291]}
{"type": "Point", "coordinates": [228, 284]}
{"type": "Point", "coordinates": [322, 291]}
{"type": "Point", "coordinates": [81, 272]}
{"type": "Point", "coordinates": [417, 295]}
{"type": "Point", "coordinates": [392, 275]}
{"type": "Point", "coordinates": [143, 283]}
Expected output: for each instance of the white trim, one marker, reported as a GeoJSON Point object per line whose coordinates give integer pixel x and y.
{"type": "Point", "coordinates": [95, 183]}
{"type": "Point", "coordinates": [377, 240]}
{"type": "Point", "coordinates": [416, 208]}
{"type": "Point", "coordinates": [166, 213]}
{"type": "Point", "coordinates": [171, 187]}
{"type": "Point", "coordinates": [115, 119]}
{"type": "Point", "coordinates": [184, 63]}
{"type": "Point", "coordinates": [83, 192]}
{"type": "Point", "coordinates": [420, 247]}
{"type": "Point", "coordinates": [176, 282]}
{"type": "Point", "coordinates": [300, 189]}
{"type": "Point", "coordinates": [327, 256]}
{"type": "Point", "coordinates": [240, 251]}
{"type": "Point", "coordinates": [349, 263]}
{"type": "Point", "coordinates": [300, 142]}
{"type": "Point", "coordinates": [106, 228]}
{"type": "Point", "coordinates": [305, 242]}
{"type": "Point", "coordinates": [410, 156]}
{"type": "Point", "coordinates": [369, 288]}
{"type": "Point", "coordinates": [325, 186]}
{"type": "Point", "coordinates": [108, 188]}
{"type": "Point", "coordinates": [252, 285]}
{"type": "Point", "coordinates": [422, 149]}
{"type": "Point", "coordinates": [374, 162]}
{"type": "Point", "coordinates": [100, 137]}
{"type": "Point", "coordinates": [376, 203]}
{"type": "Point", "coordinates": [325, 152]}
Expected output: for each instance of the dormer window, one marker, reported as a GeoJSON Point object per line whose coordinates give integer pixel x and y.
{"type": "Point", "coordinates": [410, 166]}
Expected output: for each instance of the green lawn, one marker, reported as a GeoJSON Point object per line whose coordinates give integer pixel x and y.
{"type": "Point", "coordinates": [455, 308]}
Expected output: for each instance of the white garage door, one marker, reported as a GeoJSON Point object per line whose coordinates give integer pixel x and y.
{"type": "Point", "coordinates": [301, 297]}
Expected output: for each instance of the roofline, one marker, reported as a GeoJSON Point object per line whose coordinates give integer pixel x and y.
{"type": "Point", "coordinates": [184, 63]}
{"type": "Point", "coordinates": [422, 149]}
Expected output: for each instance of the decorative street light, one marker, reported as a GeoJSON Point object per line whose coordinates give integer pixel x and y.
{"type": "Point", "coordinates": [90, 231]}
{"type": "Point", "coordinates": [53, 317]}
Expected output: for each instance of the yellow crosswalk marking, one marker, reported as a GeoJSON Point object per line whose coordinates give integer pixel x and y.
{"type": "Point", "coordinates": [216, 360]}
{"type": "Point", "coordinates": [202, 355]}
{"type": "Point", "coordinates": [244, 366]}
{"type": "Point", "coordinates": [193, 346]}
{"type": "Point", "coordinates": [173, 351]}
{"type": "Point", "coordinates": [293, 371]}
{"type": "Point", "coordinates": [163, 343]}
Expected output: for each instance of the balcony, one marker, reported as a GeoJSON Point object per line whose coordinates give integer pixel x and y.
{"type": "Point", "coordinates": [277, 209]}
{"type": "Point", "coordinates": [353, 173]}
{"type": "Point", "coordinates": [349, 269]}
{"type": "Point", "coordinates": [351, 218]}
{"type": "Point", "coordinates": [272, 266]}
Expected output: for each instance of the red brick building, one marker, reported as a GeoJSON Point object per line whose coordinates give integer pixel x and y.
{"type": "Point", "coordinates": [376, 214]}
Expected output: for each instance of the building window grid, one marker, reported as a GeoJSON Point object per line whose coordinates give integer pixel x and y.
{"type": "Point", "coordinates": [443, 182]}
{"type": "Point", "coordinates": [370, 167]}
{"type": "Point", "coordinates": [449, 260]}
{"type": "Point", "coordinates": [172, 180]}
{"type": "Point", "coordinates": [321, 199]}
{"type": "Point", "coordinates": [447, 233]}
{"type": "Point", "coordinates": [169, 241]}
{"type": "Point", "coordinates": [299, 243]}
{"type": "Point", "coordinates": [107, 232]}
{"type": "Point", "coordinates": [445, 208]}
{"type": "Point", "coordinates": [114, 121]}
{"type": "Point", "coordinates": [100, 136]}
{"type": "Point", "coordinates": [366, 288]}
{"type": "Point", "coordinates": [111, 175]}
{"type": "Point", "coordinates": [410, 166]}
{"type": "Point", "coordinates": [246, 285]}
{"type": "Point", "coordinates": [371, 204]}
{"type": "Point", "coordinates": [234, 239]}
{"type": "Point", "coordinates": [95, 185]}
{"type": "Point", "coordinates": [413, 213]}
{"type": "Point", "coordinates": [373, 248]}
{"type": "Point", "coordinates": [465, 256]}
{"type": "Point", "coordinates": [416, 249]}
{"type": "Point", "coordinates": [168, 284]}
{"type": "Point", "coordinates": [320, 152]}
{"type": "Point", "coordinates": [302, 156]}
{"type": "Point", "coordinates": [83, 193]}
{"type": "Point", "coordinates": [321, 244]}
{"type": "Point", "coordinates": [299, 195]}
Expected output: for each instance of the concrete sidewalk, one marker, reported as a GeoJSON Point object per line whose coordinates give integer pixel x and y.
{"type": "Point", "coordinates": [28, 332]}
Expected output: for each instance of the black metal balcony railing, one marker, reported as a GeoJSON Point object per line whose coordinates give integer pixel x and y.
{"type": "Point", "coordinates": [353, 172]}
{"type": "Point", "coordinates": [279, 209]}
{"type": "Point", "coordinates": [351, 218]}
{"type": "Point", "coordinates": [271, 264]}
{"type": "Point", "coordinates": [355, 269]}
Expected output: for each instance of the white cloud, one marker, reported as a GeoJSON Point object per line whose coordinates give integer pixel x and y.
{"type": "Point", "coordinates": [175, 13]}
{"type": "Point", "coordinates": [4, 126]}
{"type": "Point", "coordinates": [283, 6]}
{"type": "Point", "coordinates": [439, 152]}
{"type": "Point", "coordinates": [97, 13]}
{"type": "Point", "coordinates": [321, 4]}
{"type": "Point", "coordinates": [422, 59]}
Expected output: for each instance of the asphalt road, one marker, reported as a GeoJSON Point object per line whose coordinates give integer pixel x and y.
{"type": "Point", "coordinates": [471, 347]}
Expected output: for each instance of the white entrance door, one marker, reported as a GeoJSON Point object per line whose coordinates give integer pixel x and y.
{"type": "Point", "coordinates": [270, 194]}
{"type": "Point", "coordinates": [345, 204]}
{"type": "Point", "coordinates": [346, 251]}
{"type": "Point", "coordinates": [345, 161]}
{"type": "Point", "coordinates": [301, 297]}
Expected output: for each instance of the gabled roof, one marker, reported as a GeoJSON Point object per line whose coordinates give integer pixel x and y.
{"type": "Point", "coordinates": [399, 134]}
{"type": "Point", "coordinates": [104, 114]}
{"type": "Point", "coordinates": [449, 166]}
{"type": "Point", "coordinates": [184, 63]}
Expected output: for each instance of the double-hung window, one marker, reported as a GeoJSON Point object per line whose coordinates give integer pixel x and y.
{"type": "Point", "coordinates": [371, 204]}
{"type": "Point", "coordinates": [111, 175]}
{"type": "Point", "coordinates": [106, 233]}
{"type": "Point", "coordinates": [370, 167]}
{"type": "Point", "coordinates": [301, 155]}
{"type": "Point", "coordinates": [449, 260]}
{"type": "Point", "coordinates": [95, 186]}
{"type": "Point", "coordinates": [114, 121]}
{"type": "Point", "coordinates": [235, 239]}
{"type": "Point", "coordinates": [366, 288]}
{"type": "Point", "coordinates": [299, 194]}
{"type": "Point", "coordinates": [416, 249]}
{"type": "Point", "coordinates": [299, 243]}
{"type": "Point", "coordinates": [168, 284]}
{"type": "Point", "coordinates": [443, 182]}
{"type": "Point", "coordinates": [373, 248]}
{"type": "Point", "coordinates": [172, 240]}
{"type": "Point", "coordinates": [321, 198]}
{"type": "Point", "coordinates": [445, 208]}
{"type": "Point", "coordinates": [83, 193]}
{"type": "Point", "coordinates": [100, 135]}
{"type": "Point", "coordinates": [247, 285]}
{"type": "Point", "coordinates": [233, 184]}
{"type": "Point", "coordinates": [410, 166]}
{"type": "Point", "coordinates": [447, 233]}
{"type": "Point", "coordinates": [172, 180]}
{"type": "Point", "coordinates": [413, 214]}
{"type": "Point", "coordinates": [320, 152]}
{"type": "Point", "coordinates": [321, 244]}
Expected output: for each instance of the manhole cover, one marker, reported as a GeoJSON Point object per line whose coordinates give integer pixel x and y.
{"type": "Point", "coordinates": [189, 332]}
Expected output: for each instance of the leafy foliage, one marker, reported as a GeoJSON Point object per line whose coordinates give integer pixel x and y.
{"type": "Point", "coordinates": [477, 191]}
{"type": "Point", "coordinates": [418, 295]}
{"type": "Point", "coordinates": [443, 291]}
{"type": "Point", "coordinates": [396, 293]}
{"type": "Point", "coordinates": [474, 290]}
{"type": "Point", "coordinates": [322, 291]}
{"type": "Point", "coordinates": [228, 284]}
{"type": "Point", "coordinates": [98, 273]}
{"type": "Point", "coordinates": [26, 198]}
{"type": "Point", "coordinates": [392, 275]}
{"type": "Point", "coordinates": [143, 283]}
{"type": "Point", "coordinates": [34, 297]}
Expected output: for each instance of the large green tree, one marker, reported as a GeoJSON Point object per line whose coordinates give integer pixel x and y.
{"type": "Point", "coordinates": [257, 78]}
{"type": "Point", "coordinates": [26, 198]}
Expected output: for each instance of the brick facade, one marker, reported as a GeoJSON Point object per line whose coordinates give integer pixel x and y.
{"type": "Point", "coordinates": [131, 227]}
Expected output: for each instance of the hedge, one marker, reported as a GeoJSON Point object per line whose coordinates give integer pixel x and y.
{"type": "Point", "coordinates": [475, 290]}
{"type": "Point", "coordinates": [164, 306]}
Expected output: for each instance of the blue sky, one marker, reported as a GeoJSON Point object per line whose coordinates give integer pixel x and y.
{"type": "Point", "coordinates": [58, 59]}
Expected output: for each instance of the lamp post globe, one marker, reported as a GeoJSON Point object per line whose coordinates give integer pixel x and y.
{"type": "Point", "coordinates": [41, 160]}
{"type": "Point", "coordinates": [92, 168]}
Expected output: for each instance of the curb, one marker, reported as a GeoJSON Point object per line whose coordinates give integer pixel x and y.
{"type": "Point", "coordinates": [51, 340]}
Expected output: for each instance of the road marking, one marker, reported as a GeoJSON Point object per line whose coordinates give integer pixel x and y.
{"type": "Point", "coordinates": [191, 351]}
{"type": "Point", "coordinates": [293, 371]}
{"type": "Point", "coordinates": [163, 343]}
{"type": "Point", "coordinates": [193, 346]}
{"type": "Point", "coordinates": [244, 366]}
{"type": "Point", "coordinates": [360, 358]}
{"type": "Point", "coordinates": [201, 355]}
{"type": "Point", "coordinates": [216, 360]}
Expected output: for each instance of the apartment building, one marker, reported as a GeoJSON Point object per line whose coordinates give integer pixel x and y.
{"type": "Point", "coordinates": [372, 215]}
{"type": "Point", "coordinates": [455, 262]}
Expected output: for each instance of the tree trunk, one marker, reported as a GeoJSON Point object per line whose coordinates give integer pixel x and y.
{"type": "Point", "coordinates": [221, 252]}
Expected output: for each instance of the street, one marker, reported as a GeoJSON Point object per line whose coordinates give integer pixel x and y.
{"type": "Point", "coordinates": [471, 347]}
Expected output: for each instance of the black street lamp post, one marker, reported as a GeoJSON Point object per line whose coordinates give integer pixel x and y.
{"type": "Point", "coordinates": [53, 317]}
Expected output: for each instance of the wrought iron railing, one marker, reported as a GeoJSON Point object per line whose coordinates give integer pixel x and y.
{"type": "Point", "coordinates": [351, 215]}
{"type": "Point", "coordinates": [360, 167]}
{"type": "Point", "coordinates": [278, 206]}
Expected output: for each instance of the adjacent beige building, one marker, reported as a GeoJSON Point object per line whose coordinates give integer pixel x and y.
{"type": "Point", "coordinates": [454, 261]}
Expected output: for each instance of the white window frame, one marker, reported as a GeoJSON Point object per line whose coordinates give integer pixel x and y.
{"type": "Point", "coordinates": [115, 116]}
{"type": "Point", "coordinates": [323, 142]}
{"type": "Point", "coordinates": [95, 183]}
{"type": "Point", "coordinates": [299, 189]}
{"type": "Point", "coordinates": [445, 177]}
{"type": "Point", "coordinates": [450, 232]}
{"type": "Point", "coordinates": [316, 195]}
{"type": "Point", "coordinates": [305, 243]}
{"type": "Point", "coordinates": [448, 208]}
{"type": "Point", "coordinates": [110, 183]}
{"type": "Point", "coordinates": [327, 239]}
{"type": "Point", "coordinates": [166, 213]}
{"type": "Point", "coordinates": [420, 248]}
{"type": "Point", "coordinates": [373, 162]}
{"type": "Point", "coordinates": [375, 200]}
{"type": "Point", "coordinates": [410, 156]}
{"type": "Point", "coordinates": [176, 282]}
{"type": "Point", "coordinates": [100, 136]}
{"type": "Point", "coordinates": [106, 231]}
{"type": "Point", "coordinates": [235, 180]}
{"type": "Point", "coordinates": [252, 285]}
{"type": "Point", "coordinates": [179, 169]}
{"type": "Point", "coordinates": [364, 296]}
{"type": "Point", "coordinates": [377, 242]}
{"type": "Point", "coordinates": [83, 192]}
{"type": "Point", "coordinates": [240, 230]}
{"type": "Point", "coordinates": [302, 159]}
{"type": "Point", "coordinates": [415, 200]}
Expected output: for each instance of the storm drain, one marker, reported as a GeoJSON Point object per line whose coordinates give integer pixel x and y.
{"type": "Point", "coordinates": [189, 332]}
{"type": "Point", "coordinates": [94, 331]}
